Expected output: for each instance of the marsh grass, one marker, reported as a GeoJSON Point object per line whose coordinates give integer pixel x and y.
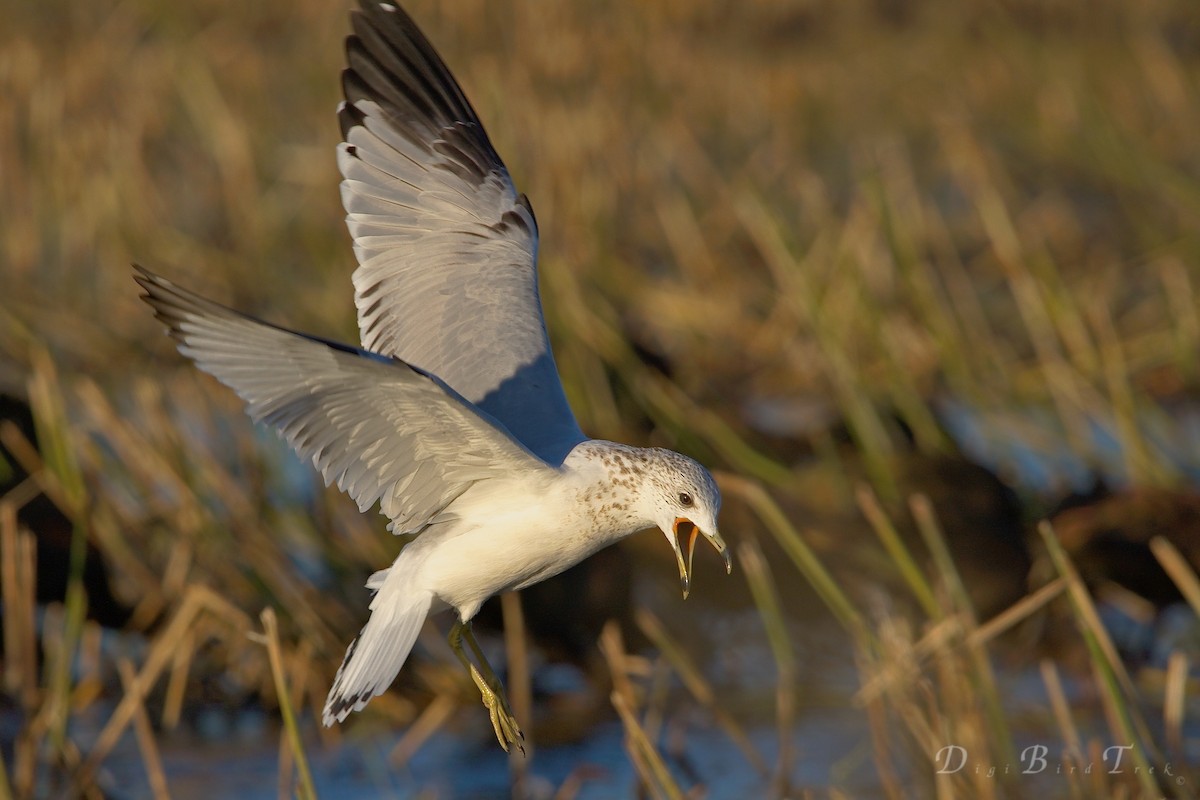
{"type": "Point", "coordinates": [865, 212]}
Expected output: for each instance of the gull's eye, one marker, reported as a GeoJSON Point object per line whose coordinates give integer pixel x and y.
{"type": "Point", "coordinates": [685, 499]}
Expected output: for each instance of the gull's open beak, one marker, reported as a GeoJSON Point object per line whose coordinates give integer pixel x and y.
{"type": "Point", "coordinates": [685, 527]}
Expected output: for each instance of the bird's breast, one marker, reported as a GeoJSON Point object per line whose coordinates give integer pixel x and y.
{"type": "Point", "coordinates": [507, 540]}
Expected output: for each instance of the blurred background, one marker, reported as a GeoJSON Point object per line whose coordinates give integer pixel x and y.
{"type": "Point", "coordinates": [914, 277]}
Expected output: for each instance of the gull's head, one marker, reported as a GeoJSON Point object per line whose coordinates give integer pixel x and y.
{"type": "Point", "coordinates": [686, 502]}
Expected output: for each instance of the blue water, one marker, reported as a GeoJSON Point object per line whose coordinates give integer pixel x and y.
{"type": "Point", "coordinates": [828, 751]}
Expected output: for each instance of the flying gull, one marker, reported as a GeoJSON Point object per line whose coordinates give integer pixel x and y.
{"type": "Point", "coordinates": [451, 415]}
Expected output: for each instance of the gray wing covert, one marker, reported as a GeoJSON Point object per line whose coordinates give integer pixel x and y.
{"type": "Point", "coordinates": [382, 430]}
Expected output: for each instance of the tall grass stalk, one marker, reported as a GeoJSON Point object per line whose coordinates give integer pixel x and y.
{"type": "Point", "coordinates": [520, 686]}
{"type": "Point", "coordinates": [270, 639]}
{"type": "Point", "coordinates": [145, 738]}
{"type": "Point", "coordinates": [18, 556]}
{"type": "Point", "coordinates": [982, 675]}
{"type": "Point", "coordinates": [1067, 728]}
{"type": "Point", "coordinates": [766, 598]}
{"type": "Point", "coordinates": [652, 771]}
{"type": "Point", "coordinates": [1117, 690]}
{"type": "Point", "coordinates": [61, 468]}
{"type": "Point", "coordinates": [806, 561]}
{"type": "Point", "coordinates": [909, 570]}
{"type": "Point", "coordinates": [1175, 704]}
{"type": "Point", "coordinates": [1178, 569]}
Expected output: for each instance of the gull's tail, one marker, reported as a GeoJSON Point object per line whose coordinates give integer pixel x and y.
{"type": "Point", "coordinates": [373, 659]}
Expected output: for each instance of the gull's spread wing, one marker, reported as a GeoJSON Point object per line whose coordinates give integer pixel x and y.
{"type": "Point", "coordinates": [447, 248]}
{"type": "Point", "coordinates": [380, 428]}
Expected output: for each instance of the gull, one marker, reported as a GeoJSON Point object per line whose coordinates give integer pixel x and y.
{"type": "Point", "coordinates": [451, 415]}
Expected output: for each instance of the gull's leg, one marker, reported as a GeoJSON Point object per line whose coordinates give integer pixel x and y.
{"type": "Point", "coordinates": [490, 688]}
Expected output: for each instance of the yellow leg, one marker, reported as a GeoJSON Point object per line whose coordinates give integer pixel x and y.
{"type": "Point", "coordinates": [490, 688]}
